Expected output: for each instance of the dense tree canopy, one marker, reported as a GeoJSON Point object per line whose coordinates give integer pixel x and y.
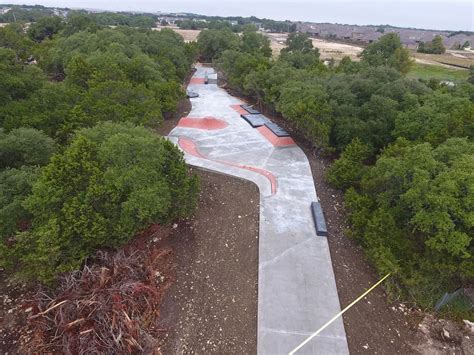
{"type": "Point", "coordinates": [110, 182]}
{"type": "Point", "coordinates": [388, 50]}
{"type": "Point", "coordinates": [86, 92]}
{"type": "Point", "coordinates": [212, 43]}
{"type": "Point", "coordinates": [406, 153]}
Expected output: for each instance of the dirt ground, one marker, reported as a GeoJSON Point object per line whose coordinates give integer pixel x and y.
{"type": "Point", "coordinates": [326, 48]}
{"type": "Point", "coordinates": [212, 307]}
{"type": "Point", "coordinates": [188, 35]}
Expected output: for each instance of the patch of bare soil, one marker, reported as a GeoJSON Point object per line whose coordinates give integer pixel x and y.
{"type": "Point", "coordinates": [212, 307]}
{"type": "Point", "coordinates": [209, 281]}
{"type": "Point", "coordinates": [13, 318]}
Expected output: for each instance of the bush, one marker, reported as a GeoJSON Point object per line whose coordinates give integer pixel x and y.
{"type": "Point", "coordinates": [24, 146]}
{"type": "Point", "coordinates": [15, 186]}
{"type": "Point", "coordinates": [112, 181]}
{"type": "Point", "coordinates": [212, 43]}
{"type": "Point", "coordinates": [413, 214]}
{"type": "Point", "coordinates": [349, 168]}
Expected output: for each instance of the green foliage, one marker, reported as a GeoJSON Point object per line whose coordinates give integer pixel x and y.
{"type": "Point", "coordinates": [298, 42]}
{"type": "Point", "coordinates": [414, 209]}
{"type": "Point", "coordinates": [436, 46]}
{"type": "Point", "coordinates": [46, 27]}
{"type": "Point", "coordinates": [112, 181]}
{"type": "Point", "coordinates": [124, 19]}
{"type": "Point", "coordinates": [22, 151]}
{"type": "Point", "coordinates": [15, 186]}
{"type": "Point", "coordinates": [255, 43]}
{"type": "Point", "coordinates": [12, 37]}
{"type": "Point", "coordinates": [77, 21]}
{"type": "Point", "coordinates": [349, 169]}
{"type": "Point", "coordinates": [428, 72]}
{"type": "Point", "coordinates": [107, 74]}
{"type": "Point", "coordinates": [439, 117]}
{"type": "Point", "coordinates": [306, 105]}
{"type": "Point", "coordinates": [16, 80]}
{"type": "Point", "coordinates": [25, 13]}
{"type": "Point", "coordinates": [238, 65]}
{"type": "Point", "coordinates": [107, 182]}
{"type": "Point", "coordinates": [212, 43]}
{"type": "Point", "coordinates": [120, 101]}
{"type": "Point", "coordinates": [388, 50]}
{"type": "Point", "coordinates": [24, 146]}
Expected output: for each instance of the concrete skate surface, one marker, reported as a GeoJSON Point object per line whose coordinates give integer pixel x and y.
{"type": "Point", "coordinates": [296, 286]}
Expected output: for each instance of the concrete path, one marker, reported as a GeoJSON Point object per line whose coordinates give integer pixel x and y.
{"type": "Point", "coordinates": [296, 287]}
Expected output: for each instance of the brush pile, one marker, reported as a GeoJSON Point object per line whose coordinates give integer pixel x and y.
{"type": "Point", "coordinates": [110, 307]}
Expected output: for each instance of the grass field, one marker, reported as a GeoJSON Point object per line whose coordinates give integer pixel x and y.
{"type": "Point", "coordinates": [426, 71]}
{"type": "Point", "coordinates": [453, 58]}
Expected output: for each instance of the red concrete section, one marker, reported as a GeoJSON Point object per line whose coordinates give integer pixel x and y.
{"type": "Point", "coordinates": [207, 123]}
{"type": "Point", "coordinates": [196, 81]}
{"type": "Point", "coordinates": [190, 147]}
{"type": "Point", "coordinates": [239, 109]}
{"type": "Point", "coordinates": [265, 173]}
{"type": "Point", "coordinates": [274, 139]}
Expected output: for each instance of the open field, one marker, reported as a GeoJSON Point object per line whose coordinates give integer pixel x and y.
{"type": "Point", "coordinates": [336, 50]}
{"type": "Point", "coordinates": [427, 71]}
{"type": "Point", "coordinates": [450, 58]}
{"type": "Point", "coordinates": [327, 49]}
{"type": "Point", "coordinates": [188, 35]}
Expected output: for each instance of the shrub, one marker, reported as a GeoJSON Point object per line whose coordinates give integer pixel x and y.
{"type": "Point", "coordinates": [349, 168]}
{"type": "Point", "coordinates": [15, 186]}
{"type": "Point", "coordinates": [112, 181]}
{"type": "Point", "coordinates": [24, 146]}
{"type": "Point", "coordinates": [413, 214]}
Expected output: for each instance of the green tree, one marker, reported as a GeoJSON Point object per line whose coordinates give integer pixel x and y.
{"type": "Point", "coordinates": [46, 27]}
{"type": "Point", "coordinates": [212, 43]}
{"type": "Point", "coordinates": [413, 214]}
{"type": "Point", "coordinates": [306, 105]}
{"type": "Point", "coordinates": [348, 170]}
{"type": "Point", "coordinates": [12, 37]}
{"type": "Point", "coordinates": [255, 43]}
{"type": "Point", "coordinates": [15, 186]}
{"type": "Point", "coordinates": [298, 42]}
{"type": "Point", "coordinates": [112, 181]}
{"type": "Point", "coordinates": [388, 50]}
{"type": "Point", "coordinates": [435, 46]}
{"type": "Point", "coordinates": [238, 65]}
{"type": "Point", "coordinates": [24, 146]}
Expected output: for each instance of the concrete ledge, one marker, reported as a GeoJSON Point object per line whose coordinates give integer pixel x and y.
{"type": "Point", "coordinates": [277, 130]}
{"type": "Point", "coordinates": [255, 120]}
{"type": "Point", "coordinates": [319, 220]}
{"type": "Point", "coordinates": [250, 109]}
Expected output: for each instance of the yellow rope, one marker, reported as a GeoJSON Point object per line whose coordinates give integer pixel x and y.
{"type": "Point", "coordinates": [338, 315]}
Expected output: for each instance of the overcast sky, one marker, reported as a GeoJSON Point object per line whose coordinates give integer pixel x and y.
{"type": "Point", "coordinates": [441, 14]}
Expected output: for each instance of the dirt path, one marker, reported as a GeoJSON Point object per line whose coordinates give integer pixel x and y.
{"type": "Point", "coordinates": [212, 307]}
